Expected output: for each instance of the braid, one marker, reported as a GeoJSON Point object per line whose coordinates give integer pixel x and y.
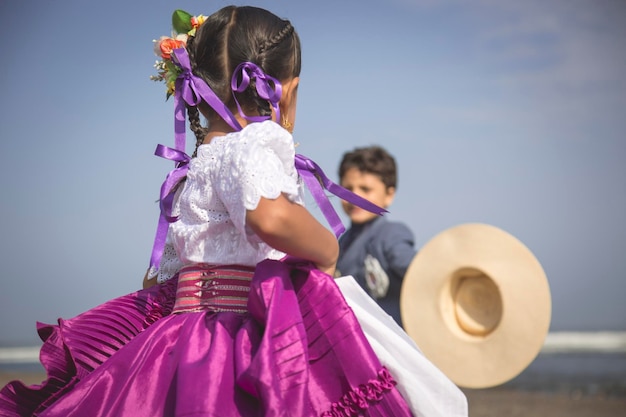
{"type": "Point", "coordinates": [276, 39]}
{"type": "Point", "coordinates": [192, 111]}
{"type": "Point", "coordinates": [262, 105]}
{"type": "Point", "coordinates": [196, 126]}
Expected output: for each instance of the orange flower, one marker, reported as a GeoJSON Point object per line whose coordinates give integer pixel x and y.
{"type": "Point", "coordinates": [167, 45]}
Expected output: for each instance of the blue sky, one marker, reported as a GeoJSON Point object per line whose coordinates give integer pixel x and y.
{"type": "Point", "coordinates": [503, 112]}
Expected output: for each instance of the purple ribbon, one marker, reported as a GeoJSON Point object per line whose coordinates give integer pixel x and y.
{"type": "Point", "coordinates": [173, 178]}
{"type": "Point", "coordinates": [267, 87]}
{"type": "Point", "coordinates": [316, 181]}
{"type": "Point", "coordinates": [166, 199]}
{"type": "Point", "coordinates": [192, 90]}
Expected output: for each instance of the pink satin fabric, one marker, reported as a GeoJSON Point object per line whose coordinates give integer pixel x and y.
{"type": "Point", "coordinates": [299, 351]}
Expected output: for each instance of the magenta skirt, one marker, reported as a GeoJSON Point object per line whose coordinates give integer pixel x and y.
{"type": "Point", "coordinates": [298, 350]}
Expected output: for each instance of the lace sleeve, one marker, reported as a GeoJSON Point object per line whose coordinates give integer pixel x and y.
{"type": "Point", "coordinates": [261, 165]}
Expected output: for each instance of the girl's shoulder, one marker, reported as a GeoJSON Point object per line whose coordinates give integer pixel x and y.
{"type": "Point", "coordinates": [267, 134]}
{"type": "Point", "coordinates": [254, 141]}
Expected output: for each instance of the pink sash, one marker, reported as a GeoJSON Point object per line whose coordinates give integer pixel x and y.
{"type": "Point", "coordinates": [216, 288]}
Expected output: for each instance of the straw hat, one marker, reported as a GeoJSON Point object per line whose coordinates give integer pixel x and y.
{"type": "Point", "coordinates": [477, 303]}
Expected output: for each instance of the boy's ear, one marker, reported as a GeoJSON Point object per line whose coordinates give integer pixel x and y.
{"type": "Point", "coordinates": [391, 193]}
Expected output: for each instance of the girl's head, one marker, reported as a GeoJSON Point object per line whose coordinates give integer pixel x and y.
{"type": "Point", "coordinates": [234, 35]}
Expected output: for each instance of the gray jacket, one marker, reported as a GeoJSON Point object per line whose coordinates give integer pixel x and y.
{"type": "Point", "coordinates": [377, 254]}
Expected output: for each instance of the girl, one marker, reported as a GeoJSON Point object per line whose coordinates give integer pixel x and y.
{"type": "Point", "coordinates": [245, 319]}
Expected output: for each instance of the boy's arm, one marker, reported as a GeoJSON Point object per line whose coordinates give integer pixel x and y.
{"type": "Point", "coordinates": [399, 247]}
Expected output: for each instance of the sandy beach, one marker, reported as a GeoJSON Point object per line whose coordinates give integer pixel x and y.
{"type": "Point", "coordinates": [507, 402]}
{"type": "Point", "coordinates": [501, 401]}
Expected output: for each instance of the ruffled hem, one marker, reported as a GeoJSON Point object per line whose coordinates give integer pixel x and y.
{"type": "Point", "coordinates": [356, 401]}
{"type": "Point", "coordinates": [72, 349]}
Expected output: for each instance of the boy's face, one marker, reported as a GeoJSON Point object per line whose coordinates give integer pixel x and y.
{"type": "Point", "coordinates": [368, 186]}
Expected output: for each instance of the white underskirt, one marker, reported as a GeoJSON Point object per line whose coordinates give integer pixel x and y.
{"type": "Point", "coordinates": [428, 392]}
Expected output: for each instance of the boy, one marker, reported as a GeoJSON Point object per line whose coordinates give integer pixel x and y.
{"type": "Point", "coordinates": [375, 251]}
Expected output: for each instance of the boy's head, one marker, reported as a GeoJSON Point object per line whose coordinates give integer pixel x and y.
{"type": "Point", "coordinates": [370, 173]}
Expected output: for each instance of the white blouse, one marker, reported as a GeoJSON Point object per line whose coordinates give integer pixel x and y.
{"type": "Point", "coordinates": [228, 176]}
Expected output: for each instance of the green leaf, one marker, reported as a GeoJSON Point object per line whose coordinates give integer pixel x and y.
{"type": "Point", "coordinates": [181, 21]}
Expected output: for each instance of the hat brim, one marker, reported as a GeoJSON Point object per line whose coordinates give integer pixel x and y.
{"type": "Point", "coordinates": [431, 315]}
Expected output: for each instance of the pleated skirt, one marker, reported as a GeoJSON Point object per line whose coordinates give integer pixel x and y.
{"type": "Point", "coordinates": [298, 350]}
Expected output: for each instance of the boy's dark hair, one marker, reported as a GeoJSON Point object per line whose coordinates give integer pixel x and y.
{"type": "Point", "coordinates": [374, 160]}
{"type": "Point", "coordinates": [233, 35]}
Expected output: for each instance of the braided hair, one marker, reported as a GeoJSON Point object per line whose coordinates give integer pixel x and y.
{"type": "Point", "coordinates": [234, 35]}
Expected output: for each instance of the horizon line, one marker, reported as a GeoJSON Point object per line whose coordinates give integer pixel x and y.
{"type": "Point", "coordinates": [555, 342]}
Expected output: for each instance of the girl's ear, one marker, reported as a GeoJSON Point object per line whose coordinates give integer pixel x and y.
{"type": "Point", "coordinates": [290, 89]}
{"type": "Point", "coordinates": [288, 102]}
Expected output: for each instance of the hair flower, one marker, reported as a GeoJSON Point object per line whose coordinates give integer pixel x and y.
{"type": "Point", "coordinates": [196, 22]}
{"type": "Point", "coordinates": [164, 46]}
{"type": "Point", "coordinates": [184, 25]}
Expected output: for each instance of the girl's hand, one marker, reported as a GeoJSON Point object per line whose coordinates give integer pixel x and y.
{"type": "Point", "coordinates": [330, 270]}
{"type": "Point", "coordinates": [147, 283]}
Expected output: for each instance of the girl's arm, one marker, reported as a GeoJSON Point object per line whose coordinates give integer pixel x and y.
{"type": "Point", "coordinates": [290, 228]}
